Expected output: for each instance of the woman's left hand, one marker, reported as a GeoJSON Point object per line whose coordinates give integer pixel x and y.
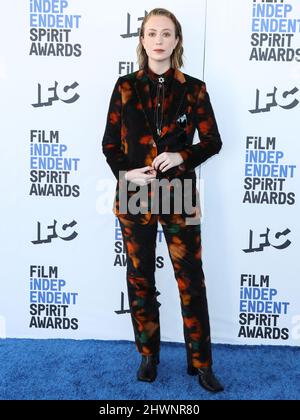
{"type": "Point", "coordinates": [167, 160]}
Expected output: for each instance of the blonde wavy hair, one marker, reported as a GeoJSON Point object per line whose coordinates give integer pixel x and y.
{"type": "Point", "coordinates": [176, 57]}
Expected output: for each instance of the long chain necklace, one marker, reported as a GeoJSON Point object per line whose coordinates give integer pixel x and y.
{"type": "Point", "coordinates": [160, 97]}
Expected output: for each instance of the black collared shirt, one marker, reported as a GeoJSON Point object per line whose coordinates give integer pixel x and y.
{"type": "Point", "coordinates": [160, 89]}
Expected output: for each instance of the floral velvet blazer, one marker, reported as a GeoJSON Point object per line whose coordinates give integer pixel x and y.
{"type": "Point", "coordinates": [130, 140]}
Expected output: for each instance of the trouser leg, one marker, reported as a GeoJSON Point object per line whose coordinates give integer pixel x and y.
{"type": "Point", "coordinates": [140, 246]}
{"type": "Point", "coordinates": [184, 245]}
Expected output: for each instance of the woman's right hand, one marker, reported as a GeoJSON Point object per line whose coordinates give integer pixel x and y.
{"type": "Point", "coordinates": [141, 176]}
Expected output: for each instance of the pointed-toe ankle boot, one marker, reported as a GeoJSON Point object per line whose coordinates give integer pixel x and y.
{"type": "Point", "coordinates": [206, 376]}
{"type": "Point", "coordinates": [208, 380]}
{"type": "Point", "coordinates": [148, 368]}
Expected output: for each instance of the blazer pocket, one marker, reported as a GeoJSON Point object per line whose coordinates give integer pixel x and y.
{"type": "Point", "coordinates": [181, 121]}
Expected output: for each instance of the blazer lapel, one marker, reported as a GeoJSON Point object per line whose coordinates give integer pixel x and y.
{"type": "Point", "coordinates": [177, 95]}
{"type": "Point", "coordinates": [176, 99]}
{"type": "Point", "coordinates": [143, 91]}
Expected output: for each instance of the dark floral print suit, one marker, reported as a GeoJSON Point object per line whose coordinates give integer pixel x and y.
{"type": "Point", "coordinates": [131, 141]}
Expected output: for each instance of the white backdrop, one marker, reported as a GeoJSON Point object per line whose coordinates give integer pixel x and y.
{"type": "Point", "coordinates": [63, 265]}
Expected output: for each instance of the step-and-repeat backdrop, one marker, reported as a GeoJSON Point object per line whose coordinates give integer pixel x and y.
{"type": "Point", "coordinates": [63, 264]}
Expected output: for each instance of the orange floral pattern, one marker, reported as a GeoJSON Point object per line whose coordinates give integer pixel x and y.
{"type": "Point", "coordinates": [184, 249]}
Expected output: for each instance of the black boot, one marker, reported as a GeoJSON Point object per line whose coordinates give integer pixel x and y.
{"type": "Point", "coordinates": [208, 380]}
{"type": "Point", "coordinates": [206, 376]}
{"type": "Point", "coordinates": [147, 371]}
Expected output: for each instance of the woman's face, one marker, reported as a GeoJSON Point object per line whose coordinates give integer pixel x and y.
{"type": "Point", "coordinates": [159, 38]}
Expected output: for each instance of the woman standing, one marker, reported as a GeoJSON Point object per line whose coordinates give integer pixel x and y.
{"type": "Point", "coordinates": [152, 118]}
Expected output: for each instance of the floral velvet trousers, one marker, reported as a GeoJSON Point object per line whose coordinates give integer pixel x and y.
{"type": "Point", "coordinates": [184, 247]}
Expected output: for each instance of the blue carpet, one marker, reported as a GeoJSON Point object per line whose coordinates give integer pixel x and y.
{"type": "Point", "coordinates": [100, 370]}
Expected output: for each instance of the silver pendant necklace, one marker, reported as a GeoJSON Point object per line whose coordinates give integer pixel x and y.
{"type": "Point", "coordinates": [160, 97]}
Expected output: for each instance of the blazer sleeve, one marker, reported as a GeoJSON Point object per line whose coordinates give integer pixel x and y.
{"type": "Point", "coordinates": [210, 140]}
{"type": "Point", "coordinates": [111, 143]}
